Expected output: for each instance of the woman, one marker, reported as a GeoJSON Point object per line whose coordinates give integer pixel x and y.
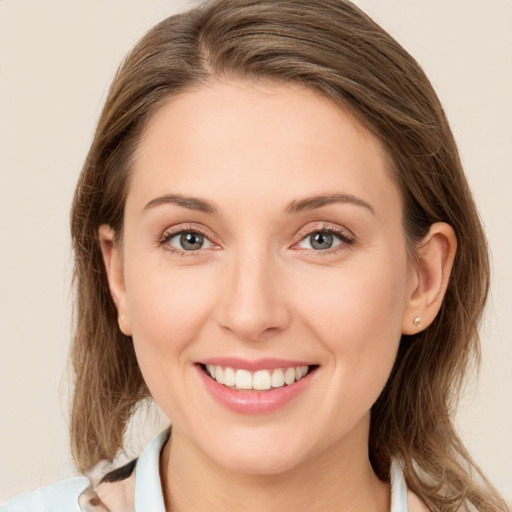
{"type": "Point", "coordinates": [275, 240]}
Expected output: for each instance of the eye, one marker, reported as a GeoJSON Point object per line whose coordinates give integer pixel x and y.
{"type": "Point", "coordinates": [321, 241]}
{"type": "Point", "coordinates": [325, 239]}
{"type": "Point", "coordinates": [188, 241]}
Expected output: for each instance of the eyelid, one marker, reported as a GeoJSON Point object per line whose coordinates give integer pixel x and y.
{"type": "Point", "coordinates": [345, 235]}
{"type": "Point", "coordinates": [313, 227]}
{"type": "Point", "coordinates": [173, 231]}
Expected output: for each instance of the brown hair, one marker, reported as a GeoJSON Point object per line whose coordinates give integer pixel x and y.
{"type": "Point", "coordinates": [334, 48]}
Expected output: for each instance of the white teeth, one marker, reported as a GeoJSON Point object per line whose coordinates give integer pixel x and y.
{"type": "Point", "coordinates": [277, 378]}
{"type": "Point", "coordinates": [229, 377]}
{"type": "Point", "coordinates": [301, 371]}
{"type": "Point", "coordinates": [243, 379]}
{"type": "Point", "coordinates": [211, 370]}
{"type": "Point", "coordinates": [260, 380]}
{"type": "Point", "coordinates": [219, 374]}
{"type": "Point", "coordinates": [289, 376]}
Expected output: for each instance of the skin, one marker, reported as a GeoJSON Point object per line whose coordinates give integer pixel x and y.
{"type": "Point", "coordinates": [258, 288]}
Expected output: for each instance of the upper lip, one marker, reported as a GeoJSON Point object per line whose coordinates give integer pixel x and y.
{"type": "Point", "coordinates": [255, 364]}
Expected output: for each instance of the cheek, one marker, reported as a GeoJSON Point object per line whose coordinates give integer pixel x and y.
{"type": "Point", "coordinates": [356, 298]}
{"type": "Point", "coordinates": [164, 302]}
{"type": "Point", "coordinates": [167, 311]}
{"type": "Point", "coordinates": [356, 313]}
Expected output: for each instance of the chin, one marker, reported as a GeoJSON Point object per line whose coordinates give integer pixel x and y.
{"type": "Point", "coordinates": [252, 463]}
{"type": "Point", "coordinates": [259, 457]}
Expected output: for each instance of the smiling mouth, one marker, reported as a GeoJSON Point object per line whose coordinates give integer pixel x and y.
{"type": "Point", "coordinates": [260, 380]}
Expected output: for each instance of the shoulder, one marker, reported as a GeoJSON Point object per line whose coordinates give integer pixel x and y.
{"type": "Point", "coordinates": [60, 497]}
{"type": "Point", "coordinates": [114, 492]}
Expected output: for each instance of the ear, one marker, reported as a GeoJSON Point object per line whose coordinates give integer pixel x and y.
{"type": "Point", "coordinates": [429, 277]}
{"type": "Point", "coordinates": [114, 267]}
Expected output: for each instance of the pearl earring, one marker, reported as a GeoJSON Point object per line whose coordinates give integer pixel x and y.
{"type": "Point", "coordinates": [417, 321]}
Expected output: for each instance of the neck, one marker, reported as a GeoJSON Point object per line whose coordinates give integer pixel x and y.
{"type": "Point", "coordinates": [339, 479]}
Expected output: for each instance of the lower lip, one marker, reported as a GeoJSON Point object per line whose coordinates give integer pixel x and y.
{"type": "Point", "coordinates": [254, 402]}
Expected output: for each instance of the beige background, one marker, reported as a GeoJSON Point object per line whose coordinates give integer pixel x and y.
{"type": "Point", "coordinates": [56, 61]}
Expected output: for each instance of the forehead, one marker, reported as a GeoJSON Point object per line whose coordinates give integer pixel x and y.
{"type": "Point", "coordinates": [257, 139]}
{"type": "Point", "coordinates": [284, 112]}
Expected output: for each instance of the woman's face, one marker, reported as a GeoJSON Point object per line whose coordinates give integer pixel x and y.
{"type": "Point", "coordinates": [263, 233]}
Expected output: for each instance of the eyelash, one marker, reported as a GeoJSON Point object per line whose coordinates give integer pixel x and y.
{"type": "Point", "coordinates": [347, 239]}
{"type": "Point", "coordinates": [169, 235]}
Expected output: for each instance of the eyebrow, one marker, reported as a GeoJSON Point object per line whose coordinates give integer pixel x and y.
{"type": "Point", "coordinates": [191, 203]}
{"type": "Point", "coordinates": [297, 206]}
{"type": "Point", "coordinates": [310, 203]}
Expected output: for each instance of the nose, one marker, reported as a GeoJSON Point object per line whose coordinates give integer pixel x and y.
{"type": "Point", "coordinates": [253, 302]}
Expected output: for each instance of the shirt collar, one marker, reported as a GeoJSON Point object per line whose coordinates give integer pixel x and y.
{"type": "Point", "coordinates": [398, 488]}
{"type": "Point", "coordinates": [148, 487]}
